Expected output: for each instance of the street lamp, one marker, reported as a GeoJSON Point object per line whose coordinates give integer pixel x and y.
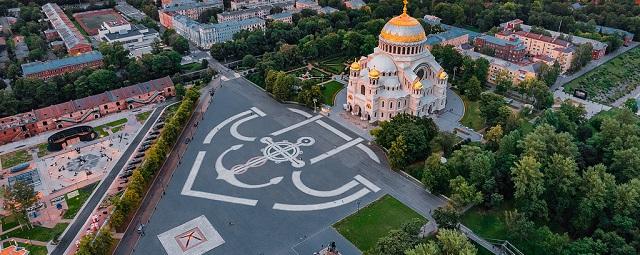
{"type": "Point", "coordinates": [315, 100]}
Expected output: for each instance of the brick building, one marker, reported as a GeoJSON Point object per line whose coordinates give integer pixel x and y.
{"type": "Point", "coordinates": [73, 40]}
{"type": "Point", "coordinates": [539, 45]}
{"type": "Point", "coordinates": [192, 10]}
{"type": "Point", "coordinates": [52, 68]}
{"type": "Point", "coordinates": [497, 67]}
{"type": "Point", "coordinates": [510, 50]}
{"type": "Point", "coordinates": [63, 115]}
{"type": "Point", "coordinates": [258, 12]}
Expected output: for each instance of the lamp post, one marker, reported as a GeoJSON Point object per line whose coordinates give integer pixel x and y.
{"type": "Point", "coordinates": [315, 100]}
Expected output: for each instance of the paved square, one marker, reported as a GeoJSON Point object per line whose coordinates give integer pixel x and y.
{"type": "Point", "coordinates": [271, 176]}
{"type": "Point", "coordinates": [194, 237]}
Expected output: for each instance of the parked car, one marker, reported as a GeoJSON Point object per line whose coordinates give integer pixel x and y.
{"type": "Point", "coordinates": [139, 155]}
{"type": "Point", "coordinates": [135, 161]}
{"type": "Point", "coordinates": [126, 174]}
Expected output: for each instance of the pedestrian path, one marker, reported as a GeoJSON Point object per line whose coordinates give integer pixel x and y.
{"type": "Point", "coordinates": [22, 240]}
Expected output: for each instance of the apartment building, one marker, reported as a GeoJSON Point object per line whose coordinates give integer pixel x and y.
{"type": "Point", "coordinates": [285, 17]}
{"type": "Point", "coordinates": [516, 72]}
{"type": "Point", "coordinates": [192, 10]}
{"type": "Point", "coordinates": [205, 35]}
{"type": "Point", "coordinates": [257, 12]}
{"type": "Point", "coordinates": [510, 50]}
{"type": "Point", "coordinates": [539, 45]}
{"type": "Point", "coordinates": [250, 4]}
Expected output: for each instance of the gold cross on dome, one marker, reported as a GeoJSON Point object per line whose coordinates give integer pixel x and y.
{"type": "Point", "coordinates": [404, 9]}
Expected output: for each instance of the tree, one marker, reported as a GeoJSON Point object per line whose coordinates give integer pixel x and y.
{"type": "Point", "coordinates": [435, 175]}
{"type": "Point", "coordinates": [560, 181]}
{"type": "Point", "coordinates": [631, 104]}
{"type": "Point", "coordinates": [249, 61]}
{"type": "Point", "coordinates": [18, 198]}
{"type": "Point", "coordinates": [463, 193]}
{"type": "Point", "coordinates": [494, 135]}
{"type": "Point", "coordinates": [503, 82]}
{"type": "Point", "coordinates": [102, 80]}
{"type": "Point", "coordinates": [283, 87]}
{"type": "Point", "coordinates": [96, 244]}
{"type": "Point", "coordinates": [308, 94]}
{"type": "Point", "coordinates": [494, 109]}
{"type": "Point", "coordinates": [582, 57]}
{"type": "Point", "coordinates": [473, 88]}
{"type": "Point", "coordinates": [596, 185]}
{"type": "Point", "coordinates": [398, 153]}
{"type": "Point", "coordinates": [417, 132]}
{"type": "Point", "coordinates": [394, 243]}
{"type": "Point", "coordinates": [180, 91]}
{"type": "Point", "coordinates": [544, 142]}
{"type": "Point", "coordinates": [449, 13]}
{"type": "Point", "coordinates": [447, 216]}
{"type": "Point", "coordinates": [115, 55]}
{"type": "Point", "coordinates": [626, 164]}
{"type": "Point", "coordinates": [529, 187]}
{"type": "Point", "coordinates": [430, 248]}
{"type": "Point", "coordinates": [549, 74]}
{"type": "Point", "coordinates": [180, 45]}
{"type": "Point", "coordinates": [454, 242]}
{"type": "Point", "coordinates": [448, 57]}
{"type": "Point", "coordinates": [447, 141]}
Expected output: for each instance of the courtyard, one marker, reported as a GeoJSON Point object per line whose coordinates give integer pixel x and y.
{"type": "Point", "coordinates": [260, 177]}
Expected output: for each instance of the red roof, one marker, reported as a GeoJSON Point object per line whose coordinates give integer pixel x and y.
{"type": "Point", "coordinates": [57, 110]}
{"type": "Point", "coordinates": [92, 101]}
{"type": "Point", "coordinates": [544, 38]}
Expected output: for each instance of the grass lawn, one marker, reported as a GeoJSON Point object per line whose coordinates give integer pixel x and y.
{"type": "Point", "coordinates": [192, 67]}
{"type": "Point", "coordinates": [76, 202]}
{"type": "Point", "coordinates": [611, 80]}
{"type": "Point", "coordinates": [366, 226]}
{"type": "Point", "coordinates": [116, 129]}
{"type": "Point", "coordinates": [38, 233]}
{"type": "Point", "coordinates": [472, 116]}
{"type": "Point", "coordinates": [42, 150]}
{"type": "Point", "coordinates": [33, 249]}
{"type": "Point", "coordinates": [329, 91]}
{"type": "Point", "coordinates": [9, 222]}
{"type": "Point", "coordinates": [334, 65]}
{"type": "Point", "coordinates": [142, 117]}
{"type": "Point", "coordinates": [111, 125]}
{"type": "Point", "coordinates": [15, 158]}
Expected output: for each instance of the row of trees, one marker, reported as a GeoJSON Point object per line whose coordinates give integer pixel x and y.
{"type": "Point", "coordinates": [576, 176]}
{"type": "Point", "coordinates": [468, 75]}
{"type": "Point", "coordinates": [153, 160]}
{"type": "Point", "coordinates": [119, 71]}
{"type": "Point", "coordinates": [406, 137]}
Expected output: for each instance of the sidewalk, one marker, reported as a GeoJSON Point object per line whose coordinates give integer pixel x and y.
{"type": "Point", "coordinates": [154, 194]}
{"type": "Point", "coordinates": [21, 240]}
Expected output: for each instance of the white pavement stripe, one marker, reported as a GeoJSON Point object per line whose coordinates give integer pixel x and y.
{"type": "Point", "coordinates": [322, 206]}
{"type": "Point", "coordinates": [236, 134]}
{"type": "Point", "coordinates": [336, 150]}
{"type": "Point", "coordinates": [295, 176]}
{"type": "Point", "coordinates": [258, 111]}
{"type": "Point", "coordinates": [367, 183]}
{"type": "Point", "coordinates": [369, 152]}
{"type": "Point", "coordinates": [333, 130]}
{"type": "Point", "coordinates": [217, 128]}
{"type": "Point", "coordinates": [222, 198]}
{"type": "Point", "coordinates": [301, 112]}
{"type": "Point", "coordinates": [294, 126]}
{"type": "Point", "coordinates": [194, 172]}
{"type": "Point", "coordinates": [186, 189]}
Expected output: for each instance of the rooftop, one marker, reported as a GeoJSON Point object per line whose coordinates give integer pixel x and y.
{"type": "Point", "coordinates": [434, 39]}
{"type": "Point", "coordinates": [280, 15]}
{"type": "Point", "coordinates": [500, 62]}
{"type": "Point", "coordinates": [191, 5]}
{"type": "Point", "coordinates": [36, 67]}
{"type": "Point", "coordinates": [495, 40]}
{"type": "Point", "coordinates": [245, 11]}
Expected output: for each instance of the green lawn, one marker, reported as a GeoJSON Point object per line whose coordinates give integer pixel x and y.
{"type": "Point", "coordinates": [42, 150]}
{"type": "Point", "coordinates": [334, 65]}
{"type": "Point", "coordinates": [9, 222]}
{"type": "Point", "coordinates": [192, 67]}
{"type": "Point", "coordinates": [111, 125]}
{"type": "Point", "coordinates": [611, 80]}
{"type": "Point", "coordinates": [142, 117]}
{"type": "Point", "coordinates": [76, 202]}
{"type": "Point", "coordinates": [116, 129]}
{"type": "Point", "coordinates": [37, 233]}
{"type": "Point", "coordinates": [15, 158]}
{"type": "Point", "coordinates": [329, 91]}
{"type": "Point", "coordinates": [33, 249]}
{"type": "Point", "coordinates": [366, 226]}
{"type": "Point", "coordinates": [472, 116]}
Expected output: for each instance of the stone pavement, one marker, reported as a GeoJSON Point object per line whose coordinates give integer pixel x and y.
{"type": "Point", "coordinates": [320, 240]}
{"type": "Point", "coordinates": [591, 107]}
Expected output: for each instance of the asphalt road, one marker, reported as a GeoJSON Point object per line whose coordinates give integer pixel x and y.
{"type": "Point", "coordinates": [93, 201]}
{"type": "Point", "coordinates": [265, 227]}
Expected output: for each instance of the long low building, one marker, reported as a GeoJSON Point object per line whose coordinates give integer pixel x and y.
{"type": "Point", "coordinates": [63, 115]}
{"type": "Point", "coordinates": [206, 35]}
{"type": "Point", "coordinates": [137, 38]}
{"type": "Point", "coordinates": [73, 40]}
{"type": "Point", "coordinates": [517, 73]}
{"type": "Point", "coordinates": [258, 12]}
{"type": "Point", "coordinates": [52, 68]}
{"type": "Point", "coordinates": [192, 10]}
{"type": "Point", "coordinates": [248, 4]}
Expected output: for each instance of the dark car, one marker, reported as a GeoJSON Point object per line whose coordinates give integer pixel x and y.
{"type": "Point", "coordinates": [139, 155]}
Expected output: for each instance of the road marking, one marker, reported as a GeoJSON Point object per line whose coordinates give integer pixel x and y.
{"type": "Point", "coordinates": [188, 184]}
{"type": "Point", "coordinates": [369, 152]}
{"type": "Point", "coordinates": [234, 129]}
{"type": "Point", "coordinates": [297, 125]}
{"type": "Point", "coordinates": [367, 183]}
{"type": "Point", "coordinates": [322, 206]}
{"type": "Point", "coordinates": [297, 181]}
{"type": "Point", "coordinates": [333, 130]}
{"type": "Point", "coordinates": [301, 112]}
{"type": "Point", "coordinates": [258, 111]}
{"type": "Point", "coordinates": [336, 150]}
{"type": "Point", "coordinates": [217, 128]}
{"type": "Point", "coordinates": [194, 237]}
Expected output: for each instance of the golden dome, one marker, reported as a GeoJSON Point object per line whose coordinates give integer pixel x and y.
{"type": "Point", "coordinates": [417, 85]}
{"type": "Point", "coordinates": [373, 73]}
{"type": "Point", "coordinates": [443, 75]}
{"type": "Point", "coordinates": [355, 66]}
{"type": "Point", "coordinates": [403, 29]}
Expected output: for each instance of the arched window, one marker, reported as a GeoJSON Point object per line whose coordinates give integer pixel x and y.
{"type": "Point", "coordinates": [382, 103]}
{"type": "Point", "coordinates": [390, 105]}
{"type": "Point", "coordinates": [362, 89]}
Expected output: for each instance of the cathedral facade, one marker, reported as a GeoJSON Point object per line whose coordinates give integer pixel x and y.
{"type": "Point", "coordinates": [400, 76]}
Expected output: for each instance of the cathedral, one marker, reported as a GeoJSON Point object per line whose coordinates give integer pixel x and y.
{"type": "Point", "coordinates": [400, 76]}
